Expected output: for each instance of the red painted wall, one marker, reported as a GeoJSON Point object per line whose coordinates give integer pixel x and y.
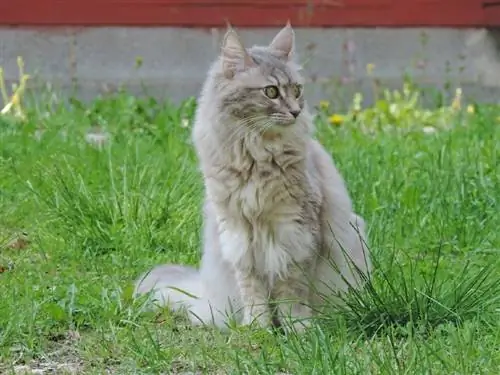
{"type": "Point", "coordinates": [492, 12]}
{"type": "Point", "coordinates": [251, 13]}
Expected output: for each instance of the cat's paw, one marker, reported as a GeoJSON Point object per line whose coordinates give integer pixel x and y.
{"type": "Point", "coordinates": [297, 326]}
{"type": "Point", "coordinates": [259, 317]}
{"type": "Point", "coordinates": [297, 320]}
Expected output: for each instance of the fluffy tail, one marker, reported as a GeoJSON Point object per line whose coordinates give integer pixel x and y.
{"type": "Point", "coordinates": [180, 288]}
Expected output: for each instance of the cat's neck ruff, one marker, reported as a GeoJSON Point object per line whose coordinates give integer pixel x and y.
{"type": "Point", "coordinates": [267, 147]}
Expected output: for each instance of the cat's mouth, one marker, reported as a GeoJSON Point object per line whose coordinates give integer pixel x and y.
{"type": "Point", "coordinates": [283, 120]}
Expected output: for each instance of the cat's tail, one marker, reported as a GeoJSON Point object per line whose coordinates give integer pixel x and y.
{"type": "Point", "coordinates": [180, 289]}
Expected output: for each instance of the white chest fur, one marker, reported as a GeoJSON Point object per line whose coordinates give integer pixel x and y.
{"type": "Point", "coordinates": [269, 249]}
{"type": "Point", "coordinates": [263, 216]}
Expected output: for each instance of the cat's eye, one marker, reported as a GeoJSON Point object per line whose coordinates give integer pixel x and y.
{"type": "Point", "coordinates": [297, 90]}
{"type": "Point", "coordinates": [271, 92]}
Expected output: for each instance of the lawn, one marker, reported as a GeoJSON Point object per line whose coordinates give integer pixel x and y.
{"type": "Point", "coordinates": [80, 221]}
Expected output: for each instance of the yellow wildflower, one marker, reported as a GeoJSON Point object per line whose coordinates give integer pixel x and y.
{"type": "Point", "coordinates": [369, 69]}
{"type": "Point", "coordinates": [470, 109]}
{"type": "Point", "coordinates": [457, 100]}
{"type": "Point", "coordinates": [324, 104]}
{"type": "Point", "coordinates": [14, 103]}
{"type": "Point", "coordinates": [3, 90]}
{"type": "Point", "coordinates": [336, 119]}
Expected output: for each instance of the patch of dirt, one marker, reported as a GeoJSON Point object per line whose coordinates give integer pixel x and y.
{"type": "Point", "coordinates": [63, 360]}
{"type": "Point", "coordinates": [43, 368]}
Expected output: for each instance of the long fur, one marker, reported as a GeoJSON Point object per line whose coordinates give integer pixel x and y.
{"type": "Point", "coordinates": [280, 234]}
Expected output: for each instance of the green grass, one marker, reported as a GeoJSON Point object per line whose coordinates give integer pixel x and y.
{"type": "Point", "coordinates": [97, 218]}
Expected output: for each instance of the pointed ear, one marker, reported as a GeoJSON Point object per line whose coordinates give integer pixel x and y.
{"type": "Point", "coordinates": [284, 41]}
{"type": "Point", "coordinates": [234, 56]}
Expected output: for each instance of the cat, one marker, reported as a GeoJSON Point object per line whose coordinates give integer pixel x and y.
{"type": "Point", "coordinates": [280, 233]}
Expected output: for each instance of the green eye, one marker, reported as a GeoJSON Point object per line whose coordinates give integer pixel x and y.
{"type": "Point", "coordinates": [271, 92]}
{"type": "Point", "coordinates": [297, 90]}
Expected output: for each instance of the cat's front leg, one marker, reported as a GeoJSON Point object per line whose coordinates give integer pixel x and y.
{"type": "Point", "coordinates": [254, 298]}
{"type": "Point", "coordinates": [291, 296]}
{"type": "Point", "coordinates": [253, 291]}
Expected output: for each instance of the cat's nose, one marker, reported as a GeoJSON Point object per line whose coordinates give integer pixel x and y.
{"type": "Point", "coordinates": [295, 113]}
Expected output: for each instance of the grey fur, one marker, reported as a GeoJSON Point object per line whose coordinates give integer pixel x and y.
{"type": "Point", "coordinates": [278, 220]}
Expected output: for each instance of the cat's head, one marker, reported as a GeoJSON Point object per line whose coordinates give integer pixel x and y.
{"type": "Point", "coordinates": [259, 86]}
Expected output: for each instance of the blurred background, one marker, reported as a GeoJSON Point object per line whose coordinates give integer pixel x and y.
{"type": "Point", "coordinates": [164, 47]}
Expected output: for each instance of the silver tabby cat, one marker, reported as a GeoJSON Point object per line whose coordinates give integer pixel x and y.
{"type": "Point", "coordinates": [280, 234]}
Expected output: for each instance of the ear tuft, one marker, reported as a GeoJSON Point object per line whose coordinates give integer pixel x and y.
{"type": "Point", "coordinates": [234, 55]}
{"type": "Point", "coordinates": [284, 41]}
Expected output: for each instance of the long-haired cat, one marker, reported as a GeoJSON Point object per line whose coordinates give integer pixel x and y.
{"type": "Point", "coordinates": [280, 234]}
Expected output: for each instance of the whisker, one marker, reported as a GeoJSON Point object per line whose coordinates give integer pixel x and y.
{"type": "Point", "coordinates": [242, 127]}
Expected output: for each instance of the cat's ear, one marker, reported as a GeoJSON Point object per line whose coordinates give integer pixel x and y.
{"type": "Point", "coordinates": [234, 55]}
{"type": "Point", "coordinates": [284, 42]}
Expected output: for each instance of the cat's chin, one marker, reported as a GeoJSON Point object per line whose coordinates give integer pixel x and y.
{"type": "Point", "coordinates": [277, 131]}
{"type": "Point", "coordinates": [283, 125]}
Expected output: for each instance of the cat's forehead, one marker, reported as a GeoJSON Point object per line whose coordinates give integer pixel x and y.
{"type": "Point", "coordinates": [273, 68]}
